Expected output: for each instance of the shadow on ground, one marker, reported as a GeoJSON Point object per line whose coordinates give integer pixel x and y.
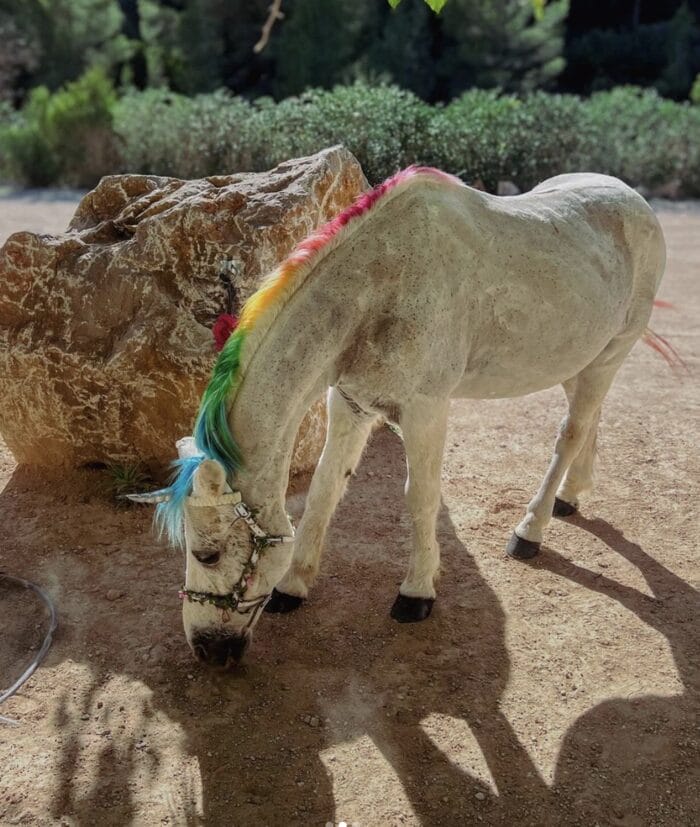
{"type": "Point", "coordinates": [242, 751]}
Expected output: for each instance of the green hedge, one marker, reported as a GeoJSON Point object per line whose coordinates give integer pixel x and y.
{"type": "Point", "coordinates": [632, 133]}
{"type": "Point", "coordinates": [64, 137]}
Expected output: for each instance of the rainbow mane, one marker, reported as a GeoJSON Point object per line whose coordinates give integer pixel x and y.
{"type": "Point", "coordinates": [211, 431]}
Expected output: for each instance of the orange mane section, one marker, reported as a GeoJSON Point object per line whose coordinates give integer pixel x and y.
{"type": "Point", "coordinates": [306, 250]}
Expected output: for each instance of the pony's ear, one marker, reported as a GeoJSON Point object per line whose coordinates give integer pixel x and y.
{"type": "Point", "coordinates": [186, 447]}
{"type": "Point", "coordinates": [209, 479]}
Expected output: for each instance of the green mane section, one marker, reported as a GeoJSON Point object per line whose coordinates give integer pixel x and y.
{"type": "Point", "coordinates": [211, 431]}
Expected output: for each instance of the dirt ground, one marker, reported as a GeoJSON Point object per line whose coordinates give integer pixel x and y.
{"type": "Point", "coordinates": [558, 692]}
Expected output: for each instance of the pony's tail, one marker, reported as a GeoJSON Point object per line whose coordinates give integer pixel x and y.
{"type": "Point", "coordinates": [662, 346]}
{"type": "Point", "coordinates": [665, 349]}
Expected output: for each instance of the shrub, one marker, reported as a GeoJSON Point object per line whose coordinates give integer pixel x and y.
{"type": "Point", "coordinates": [628, 132]}
{"type": "Point", "coordinates": [65, 137]}
{"type": "Point", "coordinates": [632, 133]}
{"type": "Point", "coordinates": [383, 126]}
{"type": "Point", "coordinates": [27, 154]}
{"type": "Point", "coordinates": [488, 136]}
{"type": "Point", "coordinates": [169, 134]}
{"type": "Point", "coordinates": [644, 138]}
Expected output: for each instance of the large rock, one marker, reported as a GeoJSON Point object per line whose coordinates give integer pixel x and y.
{"type": "Point", "coordinates": [105, 331]}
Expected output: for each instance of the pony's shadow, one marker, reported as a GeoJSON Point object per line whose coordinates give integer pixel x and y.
{"type": "Point", "coordinates": [252, 753]}
{"type": "Point", "coordinates": [340, 659]}
{"type": "Point", "coordinates": [640, 755]}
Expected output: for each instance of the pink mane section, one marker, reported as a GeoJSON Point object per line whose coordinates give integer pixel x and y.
{"type": "Point", "coordinates": [364, 203]}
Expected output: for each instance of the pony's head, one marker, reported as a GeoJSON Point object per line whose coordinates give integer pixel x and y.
{"type": "Point", "coordinates": [231, 565]}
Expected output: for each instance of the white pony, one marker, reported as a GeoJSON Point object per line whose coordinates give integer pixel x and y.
{"type": "Point", "coordinates": [423, 291]}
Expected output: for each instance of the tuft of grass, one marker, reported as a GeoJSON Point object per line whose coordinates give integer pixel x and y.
{"type": "Point", "coordinates": [126, 478]}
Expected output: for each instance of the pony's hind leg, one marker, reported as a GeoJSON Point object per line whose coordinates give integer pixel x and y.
{"type": "Point", "coordinates": [346, 437]}
{"type": "Point", "coordinates": [578, 479]}
{"type": "Point", "coordinates": [424, 425]}
{"type": "Point", "coordinates": [576, 428]}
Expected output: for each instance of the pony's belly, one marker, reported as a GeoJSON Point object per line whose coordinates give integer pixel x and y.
{"type": "Point", "coordinates": [507, 375]}
{"type": "Point", "coordinates": [498, 387]}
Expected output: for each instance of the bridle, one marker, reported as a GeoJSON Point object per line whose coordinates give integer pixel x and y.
{"type": "Point", "coordinates": [233, 601]}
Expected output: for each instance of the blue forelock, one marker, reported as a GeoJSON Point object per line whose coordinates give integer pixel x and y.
{"type": "Point", "coordinates": [169, 517]}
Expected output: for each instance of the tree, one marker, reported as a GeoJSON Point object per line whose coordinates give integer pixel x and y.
{"type": "Point", "coordinates": [661, 53]}
{"type": "Point", "coordinates": [69, 36]}
{"type": "Point", "coordinates": [19, 57]}
{"type": "Point", "coordinates": [401, 47]}
{"type": "Point", "coordinates": [317, 43]}
{"type": "Point", "coordinates": [683, 54]}
{"type": "Point", "coordinates": [504, 43]}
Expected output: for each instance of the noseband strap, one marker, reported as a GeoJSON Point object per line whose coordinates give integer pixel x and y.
{"type": "Point", "coordinates": [233, 601]}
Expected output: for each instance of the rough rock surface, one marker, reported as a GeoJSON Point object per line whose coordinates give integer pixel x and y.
{"type": "Point", "coordinates": [105, 331]}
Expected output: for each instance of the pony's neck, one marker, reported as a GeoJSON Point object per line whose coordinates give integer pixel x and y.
{"type": "Point", "coordinates": [290, 368]}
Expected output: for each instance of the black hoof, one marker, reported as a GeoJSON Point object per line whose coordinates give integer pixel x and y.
{"type": "Point", "coordinates": [521, 549]}
{"type": "Point", "coordinates": [281, 603]}
{"type": "Point", "coordinates": [562, 508]}
{"type": "Point", "coordinates": [411, 609]}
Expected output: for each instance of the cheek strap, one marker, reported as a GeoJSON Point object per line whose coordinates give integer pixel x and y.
{"type": "Point", "coordinates": [233, 601]}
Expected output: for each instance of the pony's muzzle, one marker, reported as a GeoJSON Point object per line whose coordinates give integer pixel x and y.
{"type": "Point", "coordinates": [220, 651]}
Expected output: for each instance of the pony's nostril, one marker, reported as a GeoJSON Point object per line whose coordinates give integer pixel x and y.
{"type": "Point", "coordinates": [209, 559]}
{"type": "Point", "coordinates": [200, 652]}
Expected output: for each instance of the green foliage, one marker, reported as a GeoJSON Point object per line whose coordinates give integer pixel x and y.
{"type": "Point", "coordinates": [18, 57]}
{"type": "Point", "coordinates": [538, 6]}
{"type": "Point", "coordinates": [69, 37]}
{"type": "Point", "coordinates": [504, 44]}
{"type": "Point", "coordinates": [170, 134]}
{"type": "Point", "coordinates": [435, 5]}
{"type": "Point", "coordinates": [317, 45]}
{"type": "Point", "coordinates": [682, 54]}
{"type": "Point", "coordinates": [483, 135]}
{"type": "Point", "coordinates": [65, 137]}
{"type": "Point", "coordinates": [401, 48]}
{"type": "Point", "coordinates": [26, 153]}
{"type": "Point", "coordinates": [695, 91]}
{"type": "Point", "coordinates": [123, 479]}
{"type": "Point", "coordinates": [383, 126]}
{"type": "Point", "coordinates": [644, 138]}
{"type": "Point", "coordinates": [490, 137]}
{"type": "Point", "coordinates": [665, 55]}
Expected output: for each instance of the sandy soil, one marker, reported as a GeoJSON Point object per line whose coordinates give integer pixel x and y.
{"type": "Point", "coordinates": [40, 211]}
{"type": "Point", "coordinates": [558, 692]}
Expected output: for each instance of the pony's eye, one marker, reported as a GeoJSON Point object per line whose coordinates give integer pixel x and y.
{"type": "Point", "coordinates": [208, 559]}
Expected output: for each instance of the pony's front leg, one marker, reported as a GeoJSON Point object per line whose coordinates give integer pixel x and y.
{"type": "Point", "coordinates": [346, 437]}
{"type": "Point", "coordinates": [424, 425]}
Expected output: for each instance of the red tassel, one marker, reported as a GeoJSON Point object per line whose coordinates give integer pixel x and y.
{"type": "Point", "coordinates": [222, 329]}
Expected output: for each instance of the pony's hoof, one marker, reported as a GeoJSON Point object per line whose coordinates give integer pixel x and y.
{"type": "Point", "coordinates": [281, 603]}
{"type": "Point", "coordinates": [562, 508]}
{"type": "Point", "coordinates": [521, 549]}
{"type": "Point", "coordinates": [411, 609]}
